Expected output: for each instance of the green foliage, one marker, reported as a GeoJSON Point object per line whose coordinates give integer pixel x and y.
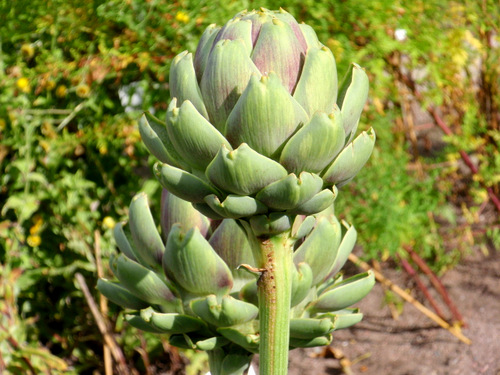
{"type": "Point", "coordinates": [20, 354]}
{"type": "Point", "coordinates": [71, 156]}
{"type": "Point", "coordinates": [392, 206]}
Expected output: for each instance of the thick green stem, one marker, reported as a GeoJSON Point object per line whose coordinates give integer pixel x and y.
{"type": "Point", "coordinates": [274, 288]}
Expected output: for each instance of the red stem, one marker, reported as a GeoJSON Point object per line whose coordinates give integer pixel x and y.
{"type": "Point", "coordinates": [436, 282]}
{"type": "Point", "coordinates": [411, 271]}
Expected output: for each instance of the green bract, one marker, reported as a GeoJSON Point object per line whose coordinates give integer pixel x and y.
{"type": "Point", "coordinates": [258, 112]}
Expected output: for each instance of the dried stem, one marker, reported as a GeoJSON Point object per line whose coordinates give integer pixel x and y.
{"type": "Point", "coordinates": [438, 285]}
{"type": "Point", "coordinates": [454, 330]}
{"type": "Point", "coordinates": [411, 271]}
{"type": "Point", "coordinates": [103, 326]}
{"type": "Point", "coordinates": [103, 303]}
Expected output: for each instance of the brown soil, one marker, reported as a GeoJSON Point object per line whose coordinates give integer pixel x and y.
{"type": "Point", "coordinates": [413, 344]}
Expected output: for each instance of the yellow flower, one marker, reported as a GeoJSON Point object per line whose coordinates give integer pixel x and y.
{"type": "Point", "coordinates": [24, 85]}
{"type": "Point", "coordinates": [182, 17]}
{"type": "Point", "coordinates": [50, 85]}
{"type": "Point", "coordinates": [45, 145]}
{"type": "Point", "coordinates": [82, 90]}
{"type": "Point", "coordinates": [103, 150]}
{"type": "Point", "coordinates": [27, 50]}
{"type": "Point", "coordinates": [3, 124]}
{"type": "Point", "coordinates": [61, 91]}
{"type": "Point", "coordinates": [34, 240]}
{"type": "Point", "coordinates": [108, 222]}
{"type": "Point", "coordinates": [37, 225]}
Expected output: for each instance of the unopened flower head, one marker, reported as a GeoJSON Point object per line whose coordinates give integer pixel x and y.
{"type": "Point", "coordinates": [258, 112]}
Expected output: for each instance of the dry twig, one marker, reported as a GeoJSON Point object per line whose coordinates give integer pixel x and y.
{"type": "Point", "coordinates": [438, 285]}
{"type": "Point", "coordinates": [103, 326]}
{"type": "Point", "coordinates": [103, 302]}
{"type": "Point", "coordinates": [454, 330]}
{"type": "Point", "coordinates": [411, 271]}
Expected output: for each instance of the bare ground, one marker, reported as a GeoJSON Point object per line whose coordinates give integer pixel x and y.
{"type": "Point", "coordinates": [413, 344]}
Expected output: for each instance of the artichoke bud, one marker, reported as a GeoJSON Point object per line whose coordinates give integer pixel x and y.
{"type": "Point", "coordinates": [192, 264]}
{"type": "Point", "coordinates": [344, 293]}
{"type": "Point", "coordinates": [257, 104]}
{"type": "Point", "coordinates": [320, 248]}
{"type": "Point", "coordinates": [176, 210]}
{"type": "Point", "coordinates": [148, 243]}
{"type": "Point", "coordinates": [351, 159]}
{"type": "Point", "coordinates": [353, 93]}
{"type": "Point", "coordinates": [255, 132]}
{"type": "Point", "coordinates": [224, 313]}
